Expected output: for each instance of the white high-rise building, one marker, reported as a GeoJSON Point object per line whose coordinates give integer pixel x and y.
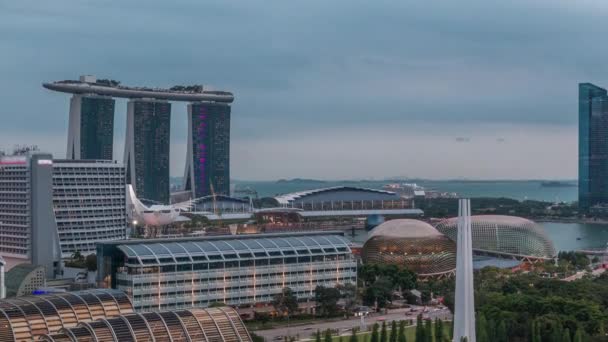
{"type": "Point", "coordinates": [51, 209]}
{"type": "Point", "coordinates": [464, 308]}
{"type": "Point", "coordinates": [89, 202]}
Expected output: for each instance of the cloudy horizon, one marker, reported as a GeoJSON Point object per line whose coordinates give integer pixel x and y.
{"type": "Point", "coordinates": [328, 90]}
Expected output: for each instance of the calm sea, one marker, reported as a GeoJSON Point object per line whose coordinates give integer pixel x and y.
{"type": "Point", "coordinates": [519, 190]}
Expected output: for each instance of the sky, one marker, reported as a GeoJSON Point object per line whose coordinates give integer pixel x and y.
{"type": "Point", "coordinates": [341, 89]}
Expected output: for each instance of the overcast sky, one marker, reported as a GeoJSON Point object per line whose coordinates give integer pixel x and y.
{"type": "Point", "coordinates": [326, 89]}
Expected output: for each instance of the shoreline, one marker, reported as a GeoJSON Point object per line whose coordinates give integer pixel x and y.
{"type": "Point", "coordinates": [569, 220]}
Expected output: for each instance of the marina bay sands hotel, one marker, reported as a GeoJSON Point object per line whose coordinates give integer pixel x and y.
{"type": "Point", "coordinates": [146, 157]}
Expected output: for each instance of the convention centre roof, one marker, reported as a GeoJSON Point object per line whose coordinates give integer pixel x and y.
{"type": "Point", "coordinates": [234, 247]}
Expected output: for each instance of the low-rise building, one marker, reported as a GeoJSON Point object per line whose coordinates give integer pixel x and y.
{"type": "Point", "coordinates": [241, 270]}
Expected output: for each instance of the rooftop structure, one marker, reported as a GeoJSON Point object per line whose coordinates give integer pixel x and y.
{"type": "Point", "coordinates": [413, 244]}
{"type": "Point", "coordinates": [215, 324]}
{"type": "Point", "coordinates": [504, 236]}
{"type": "Point", "coordinates": [169, 274]}
{"type": "Point", "coordinates": [23, 279]}
{"type": "Point", "coordinates": [112, 88]}
{"type": "Point", "coordinates": [24, 318]}
{"type": "Point", "coordinates": [336, 194]}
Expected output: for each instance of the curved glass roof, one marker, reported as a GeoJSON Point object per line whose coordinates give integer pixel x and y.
{"type": "Point", "coordinates": [243, 248]}
{"type": "Point", "coordinates": [22, 318]}
{"type": "Point", "coordinates": [211, 324]}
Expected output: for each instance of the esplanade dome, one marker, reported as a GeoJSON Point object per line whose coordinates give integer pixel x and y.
{"type": "Point", "coordinates": [413, 244]}
{"type": "Point", "coordinates": [507, 236]}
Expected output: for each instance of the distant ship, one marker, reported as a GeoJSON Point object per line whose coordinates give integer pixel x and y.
{"type": "Point", "coordinates": [557, 184]}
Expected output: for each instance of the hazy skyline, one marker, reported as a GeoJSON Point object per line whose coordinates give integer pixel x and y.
{"type": "Point", "coordinates": [340, 89]}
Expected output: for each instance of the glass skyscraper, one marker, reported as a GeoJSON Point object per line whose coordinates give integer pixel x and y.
{"type": "Point", "coordinates": [147, 149]}
{"type": "Point", "coordinates": [208, 157]}
{"type": "Point", "coordinates": [592, 146]}
{"type": "Point", "coordinates": [91, 127]}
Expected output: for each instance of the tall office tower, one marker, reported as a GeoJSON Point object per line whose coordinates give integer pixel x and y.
{"type": "Point", "coordinates": [28, 232]}
{"type": "Point", "coordinates": [208, 155]}
{"type": "Point", "coordinates": [51, 209]}
{"type": "Point", "coordinates": [464, 306]}
{"type": "Point", "coordinates": [89, 201]}
{"type": "Point", "coordinates": [91, 127]}
{"type": "Point", "coordinates": [592, 146]}
{"type": "Point", "coordinates": [147, 149]}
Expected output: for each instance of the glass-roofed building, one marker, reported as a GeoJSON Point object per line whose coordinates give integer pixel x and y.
{"type": "Point", "coordinates": [239, 270]}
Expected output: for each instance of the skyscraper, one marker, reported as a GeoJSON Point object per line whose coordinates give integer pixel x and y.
{"type": "Point", "coordinates": [208, 155]}
{"type": "Point", "coordinates": [91, 127]}
{"type": "Point", "coordinates": [592, 146]}
{"type": "Point", "coordinates": [53, 208]}
{"type": "Point", "coordinates": [147, 148]}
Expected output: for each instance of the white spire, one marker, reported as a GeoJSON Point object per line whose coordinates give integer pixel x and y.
{"type": "Point", "coordinates": [464, 311]}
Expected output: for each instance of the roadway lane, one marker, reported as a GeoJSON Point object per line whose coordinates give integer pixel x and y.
{"type": "Point", "coordinates": [305, 331]}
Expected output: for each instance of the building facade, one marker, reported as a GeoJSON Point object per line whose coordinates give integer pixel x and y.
{"type": "Point", "coordinates": [592, 146]}
{"type": "Point", "coordinates": [240, 270]}
{"type": "Point", "coordinates": [52, 209]}
{"type": "Point", "coordinates": [147, 146]}
{"type": "Point", "coordinates": [91, 127]}
{"type": "Point", "coordinates": [28, 231]}
{"type": "Point", "coordinates": [208, 157]}
{"type": "Point", "coordinates": [89, 202]}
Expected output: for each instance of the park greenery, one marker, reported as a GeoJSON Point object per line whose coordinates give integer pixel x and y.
{"type": "Point", "coordinates": [79, 261]}
{"type": "Point", "coordinates": [531, 305]}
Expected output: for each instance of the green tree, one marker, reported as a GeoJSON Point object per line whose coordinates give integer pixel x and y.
{"type": "Point", "coordinates": [318, 336]}
{"type": "Point", "coordinates": [285, 302]}
{"type": "Point", "coordinates": [383, 335]}
{"type": "Point", "coordinates": [327, 300]}
{"type": "Point", "coordinates": [91, 262]}
{"type": "Point", "coordinates": [401, 337]}
{"type": "Point", "coordinates": [439, 330]}
{"type": "Point", "coordinates": [481, 326]}
{"type": "Point", "coordinates": [534, 332]}
{"type": "Point", "coordinates": [375, 337]}
{"type": "Point", "coordinates": [428, 331]}
{"type": "Point", "coordinates": [491, 328]}
{"type": "Point", "coordinates": [420, 334]}
{"type": "Point", "coordinates": [77, 256]}
{"type": "Point", "coordinates": [348, 292]}
{"type": "Point", "coordinates": [566, 335]}
{"type": "Point", "coordinates": [393, 334]}
{"type": "Point", "coordinates": [501, 332]}
{"type": "Point", "coordinates": [353, 336]}
{"type": "Point", "coordinates": [556, 331]}
{"type": "Point", "coordinates": [380, 291]}
{"type": "Point", "coordinates": [578, 336]}
{"type": "Point", "coordinates": [327, 336]}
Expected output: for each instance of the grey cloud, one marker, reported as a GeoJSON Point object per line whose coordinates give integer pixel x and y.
{"type": "Point", "coordinates": [312, 64]}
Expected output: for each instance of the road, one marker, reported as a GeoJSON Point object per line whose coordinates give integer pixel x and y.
{"type": "Point", "coordinates": [305, 331]}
